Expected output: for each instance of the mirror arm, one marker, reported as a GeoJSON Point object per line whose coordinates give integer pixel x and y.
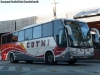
{"type": "Point", "coordinates": [69, 29]}
{"type": "Point", "coordinates": [96, 30]}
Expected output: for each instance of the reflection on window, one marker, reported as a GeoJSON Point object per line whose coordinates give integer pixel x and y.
{"type": "Point", "coordinates": [21, 36]}
{"type": "Point", "coordinates": [58, 24]}
{"type": "Point", "coordinates": [28, 34]}
{"type": "Point", "coordinates": [15, 37]}
{"type": "Point", "coordinates": [85, 29]}
{"type": "Point", "coordinates": [62, 39]}
{"type": "Point", "coordinates": [47, 29]}
{"type": "Point", "coordinates": [37, 32]}
{"type": "Point", "coordinates": [83, 25]}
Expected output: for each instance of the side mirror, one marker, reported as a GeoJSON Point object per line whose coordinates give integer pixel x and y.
{"type": "Point", "coordinates": [69, 30]}
{"type": "Point", "coordinates": [95, 30]}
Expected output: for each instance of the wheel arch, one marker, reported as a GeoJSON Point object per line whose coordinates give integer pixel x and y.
{"type": "Point", "coordinates": [49, 51]}
{"type": "Point", "coordinates": [11, 53]}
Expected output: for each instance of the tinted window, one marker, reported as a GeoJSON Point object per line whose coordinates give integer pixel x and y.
{"type": "Point", "coordinates": [21, 36]}
{"type": "Point", "coordinates": [28, 34]}
{"type": "Point", "coordinates": [37, 32]}
{"type": "Point", "coordinates": [15, 37]}
{"type": "Point", "coordinates": [3, 39]}
{"type": "Point", "coordinates": [47, 29]}
{"type": "Point", "coordinates": [57, 26]}
{"type": "Point", "coordinates": [9, 38]}
{"type": "Point", "coordinates": [62, 38]}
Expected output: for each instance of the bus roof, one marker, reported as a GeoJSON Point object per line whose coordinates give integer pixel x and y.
{"type": "Point", "coordinates": [50, 21]}
{"type": "Point", "coordinates": [38, 24]}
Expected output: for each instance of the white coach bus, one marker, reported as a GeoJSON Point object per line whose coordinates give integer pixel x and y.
{"type": "Point", "coordinates": [59, 40]}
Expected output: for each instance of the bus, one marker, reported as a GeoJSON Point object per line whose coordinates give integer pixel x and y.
{"type": "Point", "coordinates": [59, 40]}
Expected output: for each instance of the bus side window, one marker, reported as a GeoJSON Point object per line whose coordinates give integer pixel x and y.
{"type": "Point", "coordinates": [28, 34]}
{"type": "Point", "coordinates": [21, 35]}
{"type": "Point", "coordinates": [58, 24]}
{"type": "Point", "coordinates": [9, 38]}
{"type": "Point", "coordinates": [37, 32]}
{"type": "Point", "coordinates": [15, 37]}
{"type": "Point", "coordinates": [4, 39]}
{"type": "Point", "coordinates": [57, 39]}
{"type": "Point", "coordinates": [47, 29]}
{"type": "Point", "coordinates": [62, 39]}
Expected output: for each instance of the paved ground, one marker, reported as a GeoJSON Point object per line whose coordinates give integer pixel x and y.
{"type": "Point", "coordinates": [46, 70]}
{"type": "Point", "coordinates": [83, 67]}
{"type": "Point", "coordinates": [19, 68]}
{"type": "Point", "coordinates": [22, 68]}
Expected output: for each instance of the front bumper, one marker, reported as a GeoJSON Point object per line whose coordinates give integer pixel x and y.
{"type": "Point", "coordinates": [81, 57]}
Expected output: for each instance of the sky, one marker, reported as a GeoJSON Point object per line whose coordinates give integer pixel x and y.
{"type": "Point", "coordinates": [10, 11]}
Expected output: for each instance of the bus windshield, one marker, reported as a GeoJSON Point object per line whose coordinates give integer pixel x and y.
{"type": "Point", "coordinates": [81, 36]}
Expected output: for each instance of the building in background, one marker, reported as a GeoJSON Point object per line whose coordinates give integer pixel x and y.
{"type": "Point", "coordinates": [12, 25]}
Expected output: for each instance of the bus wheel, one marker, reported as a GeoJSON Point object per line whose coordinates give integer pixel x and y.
{"type": "Point", "coordinates": [50, 58]}
{"type": "Point", "coordinates": [71, 62]}
{"type": "Point", "coordinates": [12, 59]}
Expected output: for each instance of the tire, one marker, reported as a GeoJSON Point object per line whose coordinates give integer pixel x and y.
{"type": "Point", "coordinates": [50, 58]}
{"type": "Point", "coordinates": [71, 62]}
{"type": "Point", "coordinates": [12, 59]}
